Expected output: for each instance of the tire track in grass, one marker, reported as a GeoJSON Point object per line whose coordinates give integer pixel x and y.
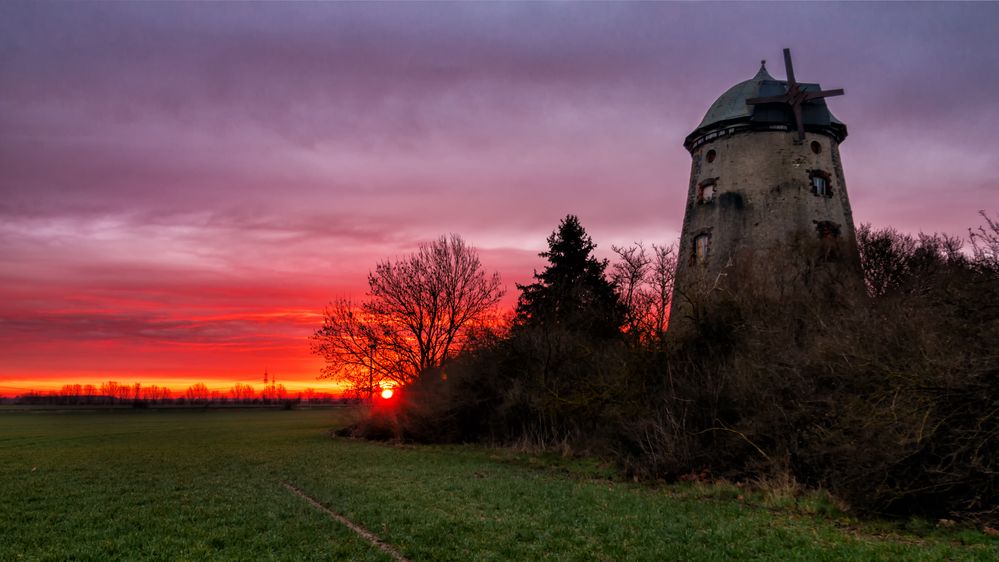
{"type": "Point", "coordinates": [364, 533]}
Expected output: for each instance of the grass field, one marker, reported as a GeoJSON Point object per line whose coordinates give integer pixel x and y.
{"type": "Point", "coordinates": [193, 485]}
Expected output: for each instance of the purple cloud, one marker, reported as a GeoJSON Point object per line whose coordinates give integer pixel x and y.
{"type": "Point", "coordinates": [242, 158]}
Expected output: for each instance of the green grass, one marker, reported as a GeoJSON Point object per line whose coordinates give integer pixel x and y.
{"type": "Point", "coordinates": [193, 485]}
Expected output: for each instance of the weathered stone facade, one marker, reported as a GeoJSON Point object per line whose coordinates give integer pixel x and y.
{"type": "Point", "coordinates": [763, 207]}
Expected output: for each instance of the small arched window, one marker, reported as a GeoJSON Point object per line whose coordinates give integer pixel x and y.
{"type": "Point", "coordinates": [820, 183]}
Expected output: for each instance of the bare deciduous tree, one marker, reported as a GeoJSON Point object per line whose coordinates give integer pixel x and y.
{"type": "Point", "coordinates": [629, 275]}
{"type": "Point", "coordinates": [110, 390]}
{"type": "Point", "coordinates": [645, 283]}
{"type": "Point", "coordinates": [198, 392]}
{"type": "Point", "coordinates": [985, 243]}
{"type": "Point", "coordinates": [417, 314]}
{"type": "Point", "coordinates": [896, 261]}
{"type": "Point", "coordinates": [242, 392]}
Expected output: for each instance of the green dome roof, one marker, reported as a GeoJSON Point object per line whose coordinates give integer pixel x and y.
{"type": "Point", "coordinates": [731, 109]}
{"type": "Point", "coordinates": [732, 104]}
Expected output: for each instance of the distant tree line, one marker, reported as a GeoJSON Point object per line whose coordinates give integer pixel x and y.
{"type": "Point", "coordinates": [885, 393]}
{"type": "Point", "coordinates": [112, 393]}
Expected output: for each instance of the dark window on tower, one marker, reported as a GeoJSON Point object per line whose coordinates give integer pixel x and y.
{"type": "Point", "coordinates": [710, 156]}
{"type": "Point", "coordinates": [706, 191]}
{"type": "Point", "coordinates": [816, 147]}
{"type": "Point", "coordinates": [819, 181]}
{"type": "Point", "coordinates": [828, 232]}
{"type": "Point", "coordinates": [702, 244]}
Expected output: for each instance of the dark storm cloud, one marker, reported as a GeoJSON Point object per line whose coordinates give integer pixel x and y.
{"type": "Point", "coordinates": [192, 104]}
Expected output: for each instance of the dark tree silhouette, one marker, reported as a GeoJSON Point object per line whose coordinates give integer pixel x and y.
{"type": "Point", "coordinates": [572, 293]}
{"type": "Point", "coordinates": [198, 392]}
{"type": "Point", "coordinates": [985, 243]}
{"type": "Point", "coordinates": [644, 283]}
{"type": "Point", "coordinates": [418, 314]}
{"type": "Point", "coordinates": [894, 261]}
{"type": "Point", "coordinates": [111, 390]}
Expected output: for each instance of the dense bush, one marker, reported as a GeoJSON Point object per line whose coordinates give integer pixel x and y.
{"type": "Point", "coordinates": [888, 397]}
{"type": "Point", "coordinates": [891, 401]}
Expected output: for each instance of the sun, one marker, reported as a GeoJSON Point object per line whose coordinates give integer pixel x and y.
{"type": "Point", "coordinates": [387, 393]}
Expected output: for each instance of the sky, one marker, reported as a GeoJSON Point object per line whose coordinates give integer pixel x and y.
{"type": "Point", "coordinates": [184, 186]}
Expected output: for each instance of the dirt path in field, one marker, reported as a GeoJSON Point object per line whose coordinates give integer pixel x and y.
{"type": "Point", "coordinates": [364, 533]}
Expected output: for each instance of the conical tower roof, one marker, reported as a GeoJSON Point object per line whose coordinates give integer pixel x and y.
{"type": "Point", "coordinates": [731, 109]}
{"type": "Point", "coordinates": [732, 104]}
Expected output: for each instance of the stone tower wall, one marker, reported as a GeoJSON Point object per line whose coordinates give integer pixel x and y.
{"type": "Point", "coordinates": [765, 223]}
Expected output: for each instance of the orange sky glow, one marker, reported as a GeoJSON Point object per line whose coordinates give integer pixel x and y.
{"type": "Point", "coordinates": [184, 186]}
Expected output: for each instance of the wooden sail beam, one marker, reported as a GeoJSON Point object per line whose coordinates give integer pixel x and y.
{"type": "Point", "coordinates": [795, 96]}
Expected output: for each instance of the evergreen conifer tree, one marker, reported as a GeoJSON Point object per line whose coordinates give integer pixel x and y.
{"type": "Point", "coordinates": [572, 293]}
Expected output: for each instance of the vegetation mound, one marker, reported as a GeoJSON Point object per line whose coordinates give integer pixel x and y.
{"type": "Point", "coordinates": [887, 397]}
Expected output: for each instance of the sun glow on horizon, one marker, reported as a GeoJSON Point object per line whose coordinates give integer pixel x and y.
{"type": "Point", "coordinates": [175, 385]}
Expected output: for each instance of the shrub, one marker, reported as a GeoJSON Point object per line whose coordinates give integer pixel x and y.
{"type": "Point", "coordinates": [891, 402]}
{"type": "Point", "coordinates": [888, 398]}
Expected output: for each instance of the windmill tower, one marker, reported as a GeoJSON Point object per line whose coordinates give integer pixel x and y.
{"type": "Point", "coordinates": [767, 207]}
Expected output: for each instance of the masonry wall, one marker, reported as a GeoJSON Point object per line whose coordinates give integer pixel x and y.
{"type": "Point", "coordinates": [765, 223]}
